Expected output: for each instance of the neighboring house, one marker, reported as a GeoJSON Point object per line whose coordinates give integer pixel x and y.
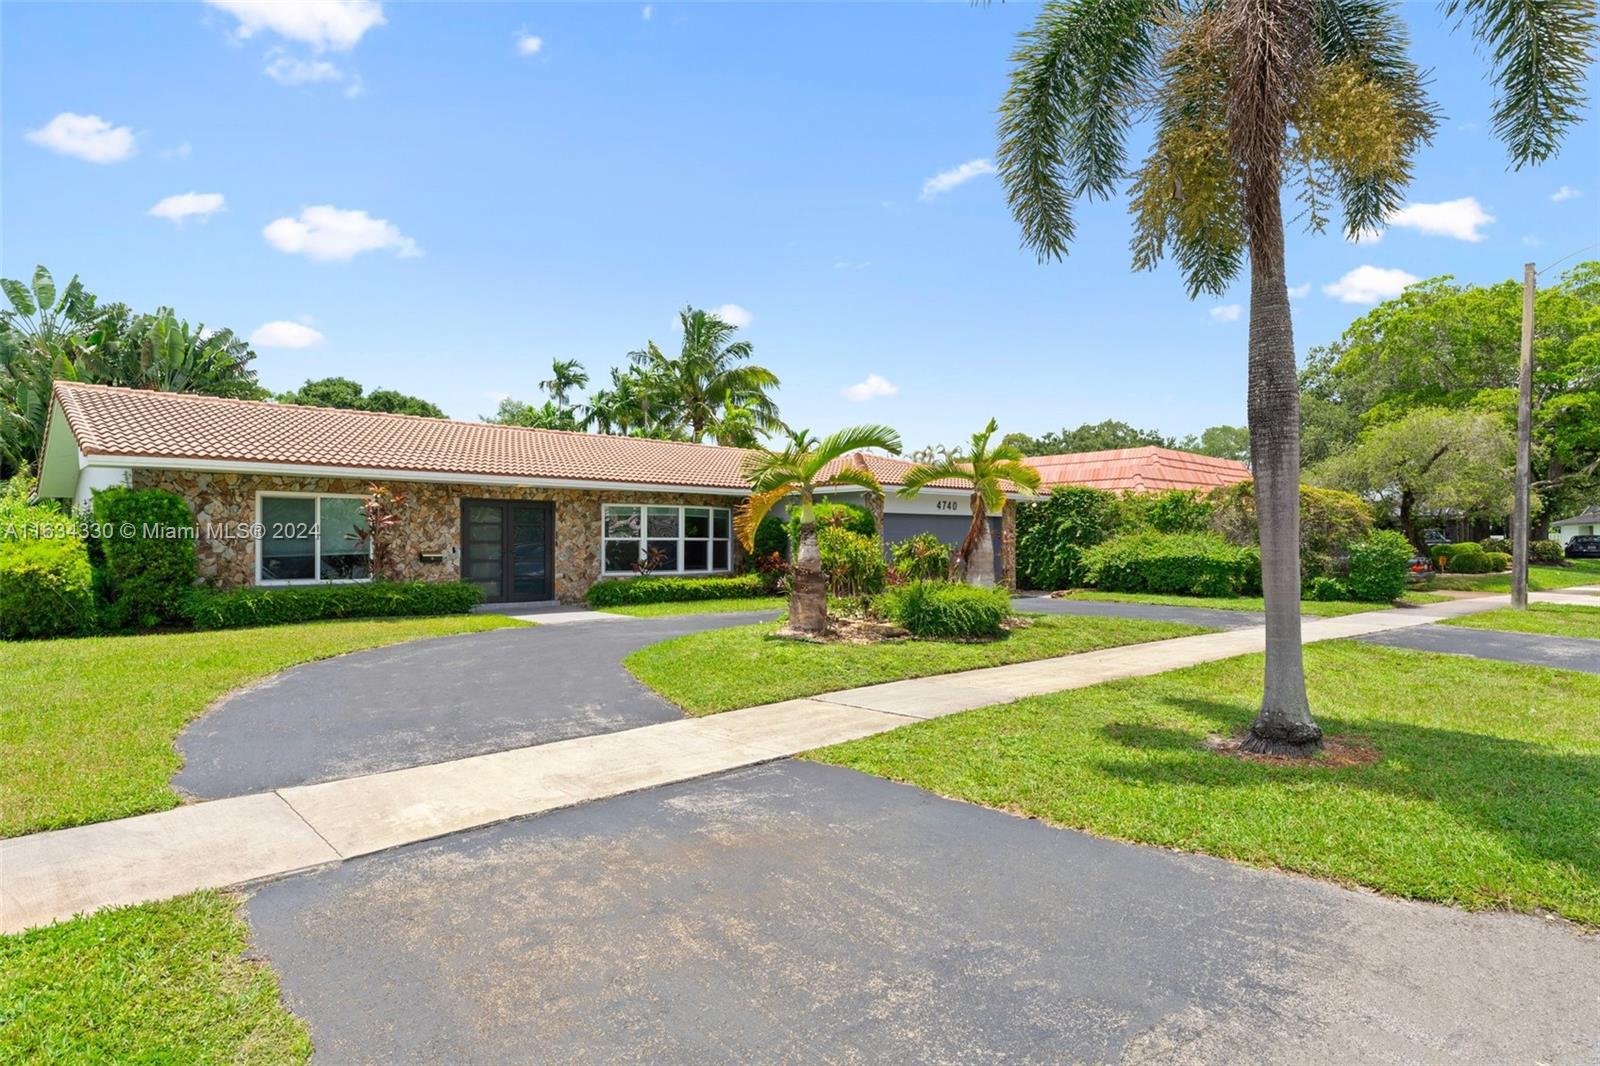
{"type": "Point", "coordinates": [526, 514]}
{"type": "Point", "coordinates": [1147, 469]}
{"type": "Point", "coordinates": [1585, 524]}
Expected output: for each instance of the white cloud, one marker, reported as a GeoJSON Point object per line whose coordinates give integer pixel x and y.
{"type": "Point", "coordinates": [529, 45]}
{"type": "Point", "coordinates": [872, 387]}
{"type": "Point", "coordinates": [201, 205]}
{"type": "Point", "coordinates": [734, 315]}
{"type": "Point", "coordinates": [946, 180]}
{"type": "Point", "coordinates": [1298, 291]}
{"type": "Point", "coordinates": [1566, 192]}
{"type": "Point", "coordinates": [87, 137]}
{"type": "Point", "coordinates": [1370, 235]}
{"type": "Point", "coordinates": [323, 24]}
{"type": "Point", "coordinates": [1369, 284]}
{"type": "Point", "coordinates": [326, 232]}
{"type": "Point", "coordinates": [1226, 312]}
{"type": "Point", "coordinates": [648, 12]}
{"type": "Point", "coordinates": [283, 334]}
{"type": "Point", "coordinates": [291, 70]}
{"type": "Point", "coordinates": [1462, 219]}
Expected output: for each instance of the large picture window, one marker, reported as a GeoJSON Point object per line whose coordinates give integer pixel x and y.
{"type": "Point", "coordinates": [685, 540]}
{"type": "Point", "coordinates": [307, 538]}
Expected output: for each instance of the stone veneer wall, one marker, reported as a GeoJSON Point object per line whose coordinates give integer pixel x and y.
{"type": "Point", "coordinates": [432, 521]}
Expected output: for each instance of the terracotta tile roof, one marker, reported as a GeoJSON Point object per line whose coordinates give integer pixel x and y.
{"type": "Point", "coordinates": [136, 422]}
{"type": "Point", "coordinates": [1139, 470]}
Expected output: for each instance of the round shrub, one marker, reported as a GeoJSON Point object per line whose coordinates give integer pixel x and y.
{"type": "Point", "coordinates": [923, 557]}
{"type": "Point", "coordinates": [943, 609]}
{"type": "Point", "coordinates": [1463, 558]}
{"type": "Point", "coordinates": [834, 515]}
{"type": "Point", "coordinates": [1497, 561]}
{"type": "Point", "coordinates": [46, 588]}
{"type": "Point", "coordinates": [853, 562]}
{"type": "Point", "coordinates": [1378, 566]}
{"type": "Point", "coordinates": [1546, 553]}
{"type": "Point", "coordinates": [1325, 588]}
{"type": "Point", "coordinates": [147, 543]}
{"type": "Point", "coordinates": [1174, 564]}
{"type": "Point", "coordinates": [771, 538]}
{"type": "Point", "coordinates": [1053, 533]}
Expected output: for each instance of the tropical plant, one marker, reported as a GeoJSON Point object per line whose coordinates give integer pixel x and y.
{"type": "Point", "coordinates": [1242, 92]}
{"type": "Point", "coordinates": [164, 353]}
{"type": "Point", "coordinates": [802, 466]}
{"type": "Point", "coordinates": [382, 516]}
{"type": "Point", "coordinates": [709, 377]}
{"type": "Point", "coordinates": [986, 468]}
{"type": "Point", "coordinates": [543, 416]}
{"type": "Point", "coordinates": [921, 557]}
{"type": "Point", "coordinates": [565, 375]}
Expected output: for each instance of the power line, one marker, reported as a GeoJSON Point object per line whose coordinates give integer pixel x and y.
{"type": "Point", "coordinates": [1569, 255]}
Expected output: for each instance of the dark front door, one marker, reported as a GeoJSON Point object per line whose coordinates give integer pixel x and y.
{"type": "Point", "coordinates": [506, 548]}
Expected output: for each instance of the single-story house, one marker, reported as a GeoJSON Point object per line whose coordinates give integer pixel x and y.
{"type": "Point", "coordinates": [1147, 469]}
{"type": "Point", "coordinates": [1579, 525]}
{"type": "Point", "coordinates": [526, 514]}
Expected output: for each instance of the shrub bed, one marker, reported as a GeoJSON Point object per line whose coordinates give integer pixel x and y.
{"type": "Point", "coordinates": [46, 588]}
{"type": "Point", "coordinates": [1466, 558]}
{"type": "Point", "coordinates": [942, 609]}
{"type": "Point", "coordinates": [835, 515]}
{"type": "Point", "coordinates": [150, 568]}
{"type": "Point", "coordinates": [1174, 564]}
{"type": "Point", "coordinates": [618, 592]}
{"type": "Point", "coordinates": [1546, 553]}
{"type": "Point", "coordinates": [1329, 521]}
{"type": "Point", "coordinates": [923, 557]}
{"type": "Point", "coordinates": [1053, 534]}
{"type": "Point", "coordinates": [206, 609]}
{"type": "Point", "coordinates": [1378, 566]}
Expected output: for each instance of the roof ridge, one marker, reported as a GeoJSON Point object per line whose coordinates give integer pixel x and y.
{"type": "Point", "coordinates": [275, 405]}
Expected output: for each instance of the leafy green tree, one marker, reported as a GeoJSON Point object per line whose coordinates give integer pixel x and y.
{"type": "Point", "coordinates": [802, 466]}
{"type": "Point", "coordinates": [348, 394]}
{"type": "Point", "coordinates": [710, 374]}
{"type": "Point", "coordinates": [1220, 442]}
{"type": "Point", "coordinates": [1089, 437]}
{"type": "Point", "coordinates": [164, 353]}
{"type": "Point", "coordinates": [1241, 93]}
{"type": "Point", "coordinates": [986, 468]}
{"type": "Point", "coordinates": [1441, 344]}
{"type": "Point", "coordinates": [532, 416]}
{"type": "Point", "coordinates": [1430, 461]}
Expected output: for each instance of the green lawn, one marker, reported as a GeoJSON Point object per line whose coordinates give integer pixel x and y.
{"type": "Point", "coordinates": [745, 665]}
{"type": "Point", "coordinates": [1483, 795]}
{"type": "Point", "coordinates": [744, 603]}
{"type": "Point", "coordinates": [1320, 608]}
{"type": "Point", "coordinates": [156, 983]}
{"type": "Point", "coordinates": [1550, 619]}
{"type": "Point", "coordinates": [1540, 578]}
{"type": "Point", "coordinates": [86, 726]}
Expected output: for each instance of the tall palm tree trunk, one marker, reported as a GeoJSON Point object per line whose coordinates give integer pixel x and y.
{"type": "Point", "coordinates": [1284, 725]}
{"type": "Point", "coordinates": [808, 593]}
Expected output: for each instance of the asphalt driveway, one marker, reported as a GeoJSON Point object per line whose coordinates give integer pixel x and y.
{"type": "Point", "coordinates": [428, 701]}
{"type": "Point", "coordinates": [1535, 649]}
{"type": "Point", "coordinates": [804, 913]}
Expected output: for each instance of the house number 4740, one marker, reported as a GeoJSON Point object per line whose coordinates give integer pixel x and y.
{"type": "Point", "coordinates": [947, 505]}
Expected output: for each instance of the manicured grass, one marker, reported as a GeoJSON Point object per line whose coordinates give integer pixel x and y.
{"type": "Point", "coordinates": [745, 665]}
{"type": "Point", "coordinates": [1540, 578]}
{"type": "Point", "coordinates": [155, 983]}
{"type": "Point", "coordinates": [660, 610]}
{"type": "Point", "coordinates": [1320, 608]}
{"type": "Point", "coordinates": [86, 726]}
{"type": "Point", "coordinates": [1550, 619]}
{"type": "Point", "coordinates": [1483, 794]}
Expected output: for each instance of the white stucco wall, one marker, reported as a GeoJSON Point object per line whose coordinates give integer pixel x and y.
{"type": "Point", "coordinates": [91, 478]}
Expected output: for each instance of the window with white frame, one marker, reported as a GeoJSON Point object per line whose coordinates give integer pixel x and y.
{"type": "Point", "coordinates": [311, 537]}
{"type": "Point", "coordinates": [681, 540]}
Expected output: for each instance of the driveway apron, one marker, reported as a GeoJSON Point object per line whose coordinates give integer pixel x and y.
{"type": "Point", "coordinates": [429, 701]}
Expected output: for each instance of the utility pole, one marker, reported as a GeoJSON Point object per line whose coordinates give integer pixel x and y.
{"type": "Point", "coordinates": [1519, 506]}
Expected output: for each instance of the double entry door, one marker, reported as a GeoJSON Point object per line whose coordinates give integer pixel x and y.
{"type": "Point", "coordinates": [507, 547]}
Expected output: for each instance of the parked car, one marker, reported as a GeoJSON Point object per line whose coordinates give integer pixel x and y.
{"type": "Point", "coordinates": [1585, 547]}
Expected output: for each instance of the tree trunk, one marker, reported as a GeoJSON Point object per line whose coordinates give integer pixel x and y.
{"type": "Point", "coordinates": [1408, 521]}
{"type": "Point", "coordinates": [808, 595]}
{"type": "Point", "coordinates": [980, 565]}
{"type": "Point", "coordinates": [1284, 725]}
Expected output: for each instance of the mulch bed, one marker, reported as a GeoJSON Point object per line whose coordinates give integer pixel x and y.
{"type": "Point", "coordinates": [1337, 752]}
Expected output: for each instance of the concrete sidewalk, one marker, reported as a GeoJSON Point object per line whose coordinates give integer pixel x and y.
{"type": "Point", "coordinates": [50, 876]}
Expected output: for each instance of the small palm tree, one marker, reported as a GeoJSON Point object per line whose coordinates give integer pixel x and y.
{"type": "Point", "coordinates": [986, 468]}
{"type": "Point", "coordinates": [1245, 97]}
{"type": "Point", "coordinates": [799, 470]}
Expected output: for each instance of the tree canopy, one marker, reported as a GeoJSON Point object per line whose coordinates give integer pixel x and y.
{"type": "Point", "coordinates": [1223, 442]}
{"type": "Point", "coordinates": [342, 392]}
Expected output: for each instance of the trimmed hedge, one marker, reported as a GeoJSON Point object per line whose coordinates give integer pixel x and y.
{"type": "Point", "coordinates": [770, 538]}
{"type": "Point", "coordinates": [1464, 558]}
{"type": "Point", "coordinates": [627, 591]}
{"type": "Point", "coordinates": [1379, 565]}
{"type": "Point", "coordinates": [206, 609]}
{"type": "Point", "coordinates": [923, 557]}
{"type": "Point", "coordinates": [1183, 564]}
{"type": "Point", "coordinates": [943, 609]}
{"type": "Point", "coordinates": [1498, 561]}
{"type": "Point", "coordinates": [46, 588]}
{"type": "Point", "coordinates": [1546, 553]}
{"type": "Point", "coordinates": [150, 568]}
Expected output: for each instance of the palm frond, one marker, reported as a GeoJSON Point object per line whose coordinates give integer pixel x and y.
{"type": "Point", "coordinates": [748, 515]}
{"type": "Point", "coordinates": [1024, 477]}
{"type": "Point", "coordinates": [857, 476]}
{"type": "Point", "coordinates": [1541, 50]}
{"type": "Point", "coordinates": [852, 439]}
{"type": "Point", "coordinates": [922, 475]}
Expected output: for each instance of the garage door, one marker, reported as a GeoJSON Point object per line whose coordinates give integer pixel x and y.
{"type": "Point", "coordinates": [951, 529]}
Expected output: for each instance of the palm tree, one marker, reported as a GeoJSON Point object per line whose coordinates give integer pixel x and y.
{"type": "Point", "coordinates": [565, 375]}
{"type": "Point", "coordinates": [986, 468]}
{"type": "Point", "coordinates": [1239, 92]}
{"type": "Point", "coordinates": [710, 373]}
{"type": "Point", "coordinates": [800, 469]}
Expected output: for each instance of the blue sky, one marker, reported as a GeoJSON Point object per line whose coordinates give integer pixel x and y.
{"type": "Point", "coordinates": [515, 183]}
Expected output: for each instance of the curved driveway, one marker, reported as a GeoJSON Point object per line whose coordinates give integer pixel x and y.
{"type": "Point", "coordinates": [428, 701]}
